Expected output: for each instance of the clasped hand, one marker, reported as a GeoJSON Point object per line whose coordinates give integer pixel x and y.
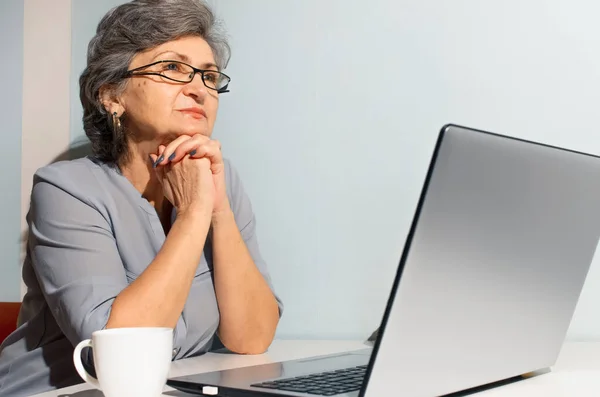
{"type": "Point", "coordinates": [192, 173]}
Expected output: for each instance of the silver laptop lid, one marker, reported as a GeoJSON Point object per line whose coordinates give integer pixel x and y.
{"type": "Point", "coordinates": [493, 267]}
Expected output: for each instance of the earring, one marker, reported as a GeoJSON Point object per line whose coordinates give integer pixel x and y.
{"type": "Point", "coordinates": [116, 124]}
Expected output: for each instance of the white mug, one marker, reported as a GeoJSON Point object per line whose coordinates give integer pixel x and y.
{"type": "Point", "coordinates": [129, 362]}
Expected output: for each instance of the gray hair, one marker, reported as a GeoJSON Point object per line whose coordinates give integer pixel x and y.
{"type": "Point", "coordinates": [123, 32]}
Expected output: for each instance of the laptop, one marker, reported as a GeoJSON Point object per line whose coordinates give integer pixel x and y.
{"type": "Point", "coordinates": [498, 251]}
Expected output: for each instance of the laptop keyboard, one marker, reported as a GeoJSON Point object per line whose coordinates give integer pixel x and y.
{"type": "Point", "coordinates": [327, 383]}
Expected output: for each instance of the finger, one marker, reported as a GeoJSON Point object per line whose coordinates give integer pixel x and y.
{"type": "Point", "coordinates": [154, 157]}
{"type": "Point", "coordinates": [188, 146]}
{"type": "Point", "coordinates": [212, 151]}
{"type": "Point", "coordinates": [207, 149]}
{"type": "Point", "coordinates": [170, 149]}
{"type": "Point", "coordinates": [160, 170]}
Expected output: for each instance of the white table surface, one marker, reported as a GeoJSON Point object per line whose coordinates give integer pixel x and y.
{"type": "Point", "coordinates": [576, 373]}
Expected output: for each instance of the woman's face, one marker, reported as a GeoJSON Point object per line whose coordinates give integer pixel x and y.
{"type": "Point", "coordinates": [160, 109]}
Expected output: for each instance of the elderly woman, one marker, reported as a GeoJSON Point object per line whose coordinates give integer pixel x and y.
{"type": "Point", "coordinates": [154, 229]}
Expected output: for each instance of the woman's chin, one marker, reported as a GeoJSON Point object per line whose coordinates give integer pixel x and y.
{"type": "Point", "coordinates": [176, 131]}
{"type": "Point", "coordinates": [202, 130]}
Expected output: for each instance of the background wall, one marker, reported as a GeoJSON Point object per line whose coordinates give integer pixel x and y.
{"type": "Point", "coordinates": [11, 78]}
{"type": "Point", "coordinates": [334, 111]}
{"type": "Point", "coordinates": [85, 17]}
{"type": "Point", "coordinates": [333, 114]}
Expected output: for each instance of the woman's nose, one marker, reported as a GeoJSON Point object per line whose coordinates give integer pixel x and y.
{"type": "Point", "coordinates": [196, 88]}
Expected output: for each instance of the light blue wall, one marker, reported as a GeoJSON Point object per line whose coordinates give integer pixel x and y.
{"type": "Point", "coordinates": [334, 111]}
{"type": "Point", "coordinates": [11, 81]}
{"type": "Point", "coordinates": [85, 15]}
{"type": "Point", "coordinates": [308, 125]}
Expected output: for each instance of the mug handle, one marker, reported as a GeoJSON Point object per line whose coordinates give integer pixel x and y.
{"type": "Point", "coordinates": [79, 365]}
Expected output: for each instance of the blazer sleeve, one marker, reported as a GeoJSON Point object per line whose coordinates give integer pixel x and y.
{"type": "Point", "coordinates": [75, 257]}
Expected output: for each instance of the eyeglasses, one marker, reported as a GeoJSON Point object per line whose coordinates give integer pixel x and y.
{"type": "Point", "coordinates": [184, 73]}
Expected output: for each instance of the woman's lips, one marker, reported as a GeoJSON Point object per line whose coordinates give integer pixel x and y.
{"type": "Point", "coordinates": [196, 113]}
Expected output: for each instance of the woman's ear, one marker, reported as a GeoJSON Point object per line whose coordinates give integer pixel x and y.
{"type": "Point", "coordinates": [111, 102]}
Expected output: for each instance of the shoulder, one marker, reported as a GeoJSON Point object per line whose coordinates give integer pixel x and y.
{"type": "Point", "coordinates": [232, 177]}
{"type": "Point", "coordinates": [77, 178]}
{"type": "Point", "coordinates": [234, 184]}
{"type": "Point", "coordinates": [67, 172]}
{"type": "Point", "coordinates": [238, 199]}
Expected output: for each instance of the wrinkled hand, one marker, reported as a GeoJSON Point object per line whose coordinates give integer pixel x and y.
{"type": "Point", "coordinates": [201, 152]}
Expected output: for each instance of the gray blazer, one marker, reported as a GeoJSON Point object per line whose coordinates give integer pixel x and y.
{"type": "Point", "coordinates": [90, 235]}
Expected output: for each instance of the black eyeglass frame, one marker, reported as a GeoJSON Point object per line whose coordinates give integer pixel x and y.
{"type": "Point", "coordinates": [136, 72]}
